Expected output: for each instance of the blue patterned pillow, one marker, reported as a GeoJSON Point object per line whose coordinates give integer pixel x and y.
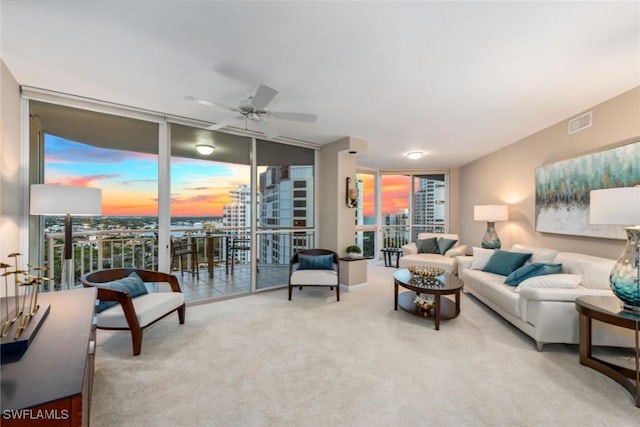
{"type": "Point", "coordinates": [505, 262]}
{"type": "Point", "coordinates": [315, 262]}
{"type": "Point", "coordinates": [531, 270]}
{"type": "Point", "coordinates": [132, 284]}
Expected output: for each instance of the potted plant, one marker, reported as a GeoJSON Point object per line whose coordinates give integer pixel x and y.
{"type": "Point", "coordinates": [353, 251]}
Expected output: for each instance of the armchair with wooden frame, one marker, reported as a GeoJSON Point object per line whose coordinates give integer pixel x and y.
{"type": "Point", "coordinates": [314, 267]}
{"type": "Point", "coordinates": [137, 312]}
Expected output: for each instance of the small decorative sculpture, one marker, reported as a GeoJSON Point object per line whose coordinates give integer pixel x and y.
{"type": "Point", "coordinates": [21, 278]}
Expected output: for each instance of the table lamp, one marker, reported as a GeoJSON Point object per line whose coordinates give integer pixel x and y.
{"type": "Point", "coordinates": [66, 200]}
{"type": "Point", "coordinates": [621, 206]}
{"type": "Point", "coordinates": [491, 214]}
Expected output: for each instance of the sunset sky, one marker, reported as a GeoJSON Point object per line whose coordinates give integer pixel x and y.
{"type": "Point", "coordinates": [199, 187]}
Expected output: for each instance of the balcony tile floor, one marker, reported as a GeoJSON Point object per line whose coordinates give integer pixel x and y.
{"type": "Point", "coordinates": [225, 285]}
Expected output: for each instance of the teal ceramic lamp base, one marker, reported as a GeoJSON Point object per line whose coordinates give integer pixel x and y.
{"type": "Point", "coordinates": [624, 278]}
{"type": "Point", "coordinates": [490, 240]}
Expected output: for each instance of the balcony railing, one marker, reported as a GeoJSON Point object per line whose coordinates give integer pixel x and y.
{"type": "Point", "coordinates": [138, 248]}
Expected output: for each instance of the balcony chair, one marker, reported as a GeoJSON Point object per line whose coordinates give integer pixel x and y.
{"type": "Point", "coordinates": [314, 267]}
{"type": "Point", "coordinates": [185, 252]}
{"type": "Point", "coordinates": [125, 302]}
{"type": "Point", "coordinates": [237, 244]}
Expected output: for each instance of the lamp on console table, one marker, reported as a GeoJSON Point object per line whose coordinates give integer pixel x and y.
{"type": "Point", "coordinates": [491, 214]}
{"type": "Point", "coordinates": [621, 206]}
{"type": "Point", "coordinates": [66, 200]}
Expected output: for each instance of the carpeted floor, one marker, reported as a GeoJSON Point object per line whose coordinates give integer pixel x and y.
{"type": "Point", "coordinates": [265, 361]}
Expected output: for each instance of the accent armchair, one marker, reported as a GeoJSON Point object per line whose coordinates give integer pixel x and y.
{"type": "Point", "coordinates": [314, 267]}
{"type": "Point", "coordinates": [125, 302]}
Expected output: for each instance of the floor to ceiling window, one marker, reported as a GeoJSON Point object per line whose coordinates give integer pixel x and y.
{"type": "Point", "coordinates": [211, 211]}
{"type": "Point", "coordinates": [116, 154]}
{"type": "Point", "coordinates": [286, 208]}
{"type": "Point", "coordinates": [366, 213]}
{"type": "Point", "coordinates": [412, 204]}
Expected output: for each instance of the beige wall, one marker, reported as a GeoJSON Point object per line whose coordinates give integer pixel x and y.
{"type": "Point", "coordinates": [10, 194]}
{"type": "Point", "coordinates": [508, 176]}
{"type": "Point", "coordinates": [336, 228]}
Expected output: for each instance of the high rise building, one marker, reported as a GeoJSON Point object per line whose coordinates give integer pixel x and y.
{"type": "Point", "coordinates": [286, 201]}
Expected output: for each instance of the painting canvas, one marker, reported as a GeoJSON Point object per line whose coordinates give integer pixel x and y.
{"type": "Point", "coordinates": [562, 190]}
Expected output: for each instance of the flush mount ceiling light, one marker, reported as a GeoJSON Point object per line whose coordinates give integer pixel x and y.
{"type": "Point", "coordinates": [413, 155]}
{"type": "Point", "coordinates": [205, 149]}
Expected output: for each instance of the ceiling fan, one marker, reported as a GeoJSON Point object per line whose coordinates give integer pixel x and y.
{"type": "Point", "coordinates": [254, 109]}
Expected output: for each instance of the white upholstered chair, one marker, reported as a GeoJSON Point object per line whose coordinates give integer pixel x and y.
{"type": "Point", "coordinates": [125, 307]}
{"type": "Point", "coordinates": [314, 267]}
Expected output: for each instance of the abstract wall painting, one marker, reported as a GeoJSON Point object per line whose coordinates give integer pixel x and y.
{"type": "Point", "coordinates": [562, 190]}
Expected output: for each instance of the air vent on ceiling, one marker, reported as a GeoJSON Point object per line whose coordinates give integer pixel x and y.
{"type": "Point", "coordinates": [581, 122]}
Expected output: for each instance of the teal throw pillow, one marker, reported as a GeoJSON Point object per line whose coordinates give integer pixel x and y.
{"type": "Point", "coordinates": [445, 244]}
{"type": "Point", "coordinates": [505, 262]}
{"type": "Point", "coordinates": [428, 246]}
{"type": "Point", "coordinates": [132, 284]}
{"type": "Point", "coordinates": [315, 262]}
{"type": "Point", "coordinates": [531, 270]}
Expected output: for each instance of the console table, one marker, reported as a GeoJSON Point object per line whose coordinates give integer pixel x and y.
{"type": "Point", "coordinates": [607, 310]}
{"type": "Point", "coordinates": [54, 376]}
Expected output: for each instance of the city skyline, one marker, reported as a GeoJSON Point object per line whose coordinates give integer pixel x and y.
{"type": "Point", "coordinates": [200, 188]}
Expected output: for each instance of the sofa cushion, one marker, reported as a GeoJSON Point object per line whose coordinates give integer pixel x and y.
{"type": "Point", "coordinates": [491, 287]}
{"type": "Point", "coordinates": [481, 257]}
{"type": "Point", "coordinates": [541, 255]}
{"type": "Point", "coordinates": [428, 246]}
{"type": "Point", "coordinates": [560, 281]}
{"type": "Point", "coordinates": [148, 307]}
{"type": "Point", "coordinates": [314, 277]}
{"type": "Point", "coordinates": [315, 262]}
{"type": "Point", "coordinates": [132, 284]}
{"type": "Point", "coordinates": [434, 260]}
{"type": "Point", "coordinates": [531, 270]}
{"type": "Point", "coordinates": [594, 270]}
{"type": "Point", "coordinates": [445, 244]}
{"type": "Point", "coordinates": [505, 262]}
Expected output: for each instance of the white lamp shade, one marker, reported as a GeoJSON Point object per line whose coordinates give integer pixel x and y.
{"type": "Point", "coordinates": [491, 213]}
{"type": "Point", "coordinates": [65, 199]}
{"type": "Point", "coordinates": [615, 206]}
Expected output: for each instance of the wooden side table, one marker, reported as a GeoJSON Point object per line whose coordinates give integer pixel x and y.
{"type": "Point", "coordinates": [607, 310]}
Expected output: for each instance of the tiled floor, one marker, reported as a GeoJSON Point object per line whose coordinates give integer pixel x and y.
{"type": "Point", "coordinates": [224, 285]}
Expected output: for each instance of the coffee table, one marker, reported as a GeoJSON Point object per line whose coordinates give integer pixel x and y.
{"type": "Point", "coordinates": [446, 284]}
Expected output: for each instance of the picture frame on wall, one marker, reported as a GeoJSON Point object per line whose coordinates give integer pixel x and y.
{"type": "Point", "coordinates": [562, 190]}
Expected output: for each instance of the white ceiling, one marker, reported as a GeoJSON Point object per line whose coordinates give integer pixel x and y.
{"type": "Point", "coordinates": [454, 79]}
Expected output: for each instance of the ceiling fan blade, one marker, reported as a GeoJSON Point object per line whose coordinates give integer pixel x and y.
{"type": "Point", "coordinates": [298, 117]}
{"type": "Point", "coordinates": [263, 96]}
{"type": "Point", "coordinates": [234, 72]}
{"type": "Point", "coordinates": [267, 130]}
{"type": "Point", "coordinates": [208, 103]}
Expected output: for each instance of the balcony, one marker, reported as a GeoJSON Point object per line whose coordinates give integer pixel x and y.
{"type": "Point", "coordinates": [222, 269]}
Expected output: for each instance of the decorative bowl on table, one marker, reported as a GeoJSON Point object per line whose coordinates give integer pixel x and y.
{"type": "Point", "coordinates": [425, 271]}
{"type": "Point", "coordinates": [426, 276]}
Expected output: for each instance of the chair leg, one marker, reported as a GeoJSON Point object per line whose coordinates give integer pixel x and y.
{"type": "Point", "coordinates": [338, 292]}
{"type": "Point", "coordinates": [136, 338]}
{"type": "Point", "coordinates": [290, 290]}
{"type": "Point", "coordinates": [181, 311]}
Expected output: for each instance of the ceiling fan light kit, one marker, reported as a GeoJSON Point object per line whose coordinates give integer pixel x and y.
{"type": "Point", "coordinates": [205, 149]}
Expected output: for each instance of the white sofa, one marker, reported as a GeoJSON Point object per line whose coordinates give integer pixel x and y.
{"type": "Point", "coordinates": [544, 308]}
{"type": "Point", "coordinates": [410, 255]}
